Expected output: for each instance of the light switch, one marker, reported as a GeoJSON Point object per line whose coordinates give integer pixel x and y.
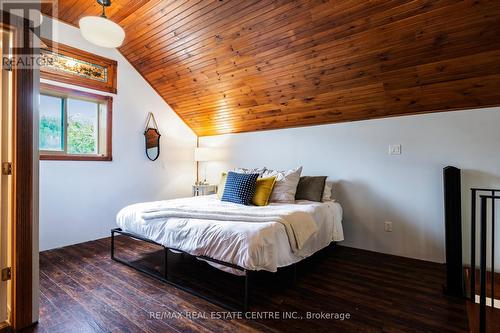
{"type": "Point", "coordinates": [395, 149]}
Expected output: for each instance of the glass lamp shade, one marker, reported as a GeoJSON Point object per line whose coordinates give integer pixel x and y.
{"type": "Point", "coordinates": [101, 31]}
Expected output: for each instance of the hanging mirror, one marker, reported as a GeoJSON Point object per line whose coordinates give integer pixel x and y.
{"type": "Point", "coordinates": [152, 137]}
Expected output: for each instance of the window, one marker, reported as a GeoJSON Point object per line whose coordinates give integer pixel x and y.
{"type": "Point", "coordinates": [66, 64]}
{"type": "Point", "coordinates": [74, 125]}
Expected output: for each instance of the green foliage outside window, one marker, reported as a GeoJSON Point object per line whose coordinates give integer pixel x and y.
{"type": "Point", "coordinates": [81, 135]}
{"type": "Point", "coordinates": [50, 133]}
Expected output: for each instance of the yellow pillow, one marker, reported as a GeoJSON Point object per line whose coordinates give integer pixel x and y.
{"type": "Point", "coordinates": [263, 191]}
{"type": "Point", "coordinates": [222, 184]}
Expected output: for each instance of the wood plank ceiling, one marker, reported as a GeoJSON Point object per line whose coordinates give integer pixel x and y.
{"type": "Point", "coordinates": [229, 66]}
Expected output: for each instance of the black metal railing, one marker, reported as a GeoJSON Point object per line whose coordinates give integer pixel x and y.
{"type": "Point", "coordinates": [484, 196]}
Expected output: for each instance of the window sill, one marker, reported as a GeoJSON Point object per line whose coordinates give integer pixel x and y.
{"type": "Point", "coordinates": [54, 157]}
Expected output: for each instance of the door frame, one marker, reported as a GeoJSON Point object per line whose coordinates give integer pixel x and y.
{"type": "Point", "coordinates": [22, 291]}
{"type": "Point", "coordinates": [6, 114]}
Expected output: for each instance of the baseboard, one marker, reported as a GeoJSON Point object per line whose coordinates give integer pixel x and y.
{"type": "Point", "coordinates": [432, 262]}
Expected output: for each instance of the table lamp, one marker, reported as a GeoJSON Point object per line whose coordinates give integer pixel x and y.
{"type": "Point", "coordinates": [203, 154]}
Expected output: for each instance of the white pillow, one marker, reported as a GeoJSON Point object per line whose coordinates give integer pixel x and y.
{"type": "Point", "coordinates": [285, 185]}
{"type": "Point", "coordinates": [260, 171]}
{"type": "Point", "coordinates": [327, 192]}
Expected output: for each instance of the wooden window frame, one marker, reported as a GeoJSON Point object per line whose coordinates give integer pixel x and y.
{"type": "Point", "coordinates": [65, 50]}
{"type": "Point", "coordinates": [69, 92]}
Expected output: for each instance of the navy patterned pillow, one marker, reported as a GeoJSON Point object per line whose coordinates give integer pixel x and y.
{"type": "Point", "coordinates": [240, 187]}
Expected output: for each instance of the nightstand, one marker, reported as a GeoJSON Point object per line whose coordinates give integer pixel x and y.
{"type": "Point", "coordinates": [204, 190]}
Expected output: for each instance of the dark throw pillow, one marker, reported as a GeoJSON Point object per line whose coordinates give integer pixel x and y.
{"type": "Point", "coordinates": [310, 188]}
{"type": "Point", "coordinates": [240, 187]}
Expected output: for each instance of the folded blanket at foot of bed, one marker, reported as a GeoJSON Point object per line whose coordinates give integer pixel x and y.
{"type": "Point", "coordinates": [298, 222]}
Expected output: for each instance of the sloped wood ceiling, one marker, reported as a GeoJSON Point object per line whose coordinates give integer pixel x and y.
{"type": "Point", "coordinates": [241, 65]}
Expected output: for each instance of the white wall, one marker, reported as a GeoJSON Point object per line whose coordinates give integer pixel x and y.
{"type": "Point", "coordinates": [374, 186]}
{"type": "Point", "coordinates": [79, 200]}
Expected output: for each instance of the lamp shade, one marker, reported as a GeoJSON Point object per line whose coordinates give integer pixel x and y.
{"type": "Point", "coordinates": [101, 31]}
{"type": "Point", "coordinates": [203, 154]}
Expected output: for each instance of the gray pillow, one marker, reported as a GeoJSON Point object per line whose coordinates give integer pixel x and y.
{"type": "Point", "coordinates": [310, 188]}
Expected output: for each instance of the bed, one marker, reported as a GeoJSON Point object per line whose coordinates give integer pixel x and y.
{"type": "Point", "coordinates": [232, 237]}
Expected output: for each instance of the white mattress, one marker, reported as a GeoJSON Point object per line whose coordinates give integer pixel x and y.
{"type": "Point", "coordinates": [251, 245]}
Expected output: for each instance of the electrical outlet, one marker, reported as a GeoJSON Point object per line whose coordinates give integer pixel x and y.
{"type": "Point", "coordinates": [388, 226]}
{"type": "Point", "coordinates": [395, 149]}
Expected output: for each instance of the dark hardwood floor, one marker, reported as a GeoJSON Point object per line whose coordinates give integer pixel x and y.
{"type": "Point", "coordinates": [492, 314]}
{"type": "Point", "coordinates": [83, 290]}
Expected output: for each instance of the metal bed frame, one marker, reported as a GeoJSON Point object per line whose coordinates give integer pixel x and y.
{"type": "Point", "coordinates": [164, 278]}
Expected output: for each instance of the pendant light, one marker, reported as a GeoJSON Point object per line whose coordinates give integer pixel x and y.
{"type": "Point", "coordinates": [101, 31]}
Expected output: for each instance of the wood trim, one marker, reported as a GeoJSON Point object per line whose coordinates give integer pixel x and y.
{"type": "Point", "coordinates": [109, 130]}
{"type": "Point", "coordinates": [111, 65]}
{"type": "Point", "coordinates": [55, 157]}
{"type": "Point", "coordinates": [22, 220]}
{"type": "Point", "coordinates": [68, 92]}
{"type": "Point", "coordinates": [73, 92]}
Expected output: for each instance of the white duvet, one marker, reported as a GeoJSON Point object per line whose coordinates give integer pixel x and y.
{"type": "Point", "coordinates": [255, 238]}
